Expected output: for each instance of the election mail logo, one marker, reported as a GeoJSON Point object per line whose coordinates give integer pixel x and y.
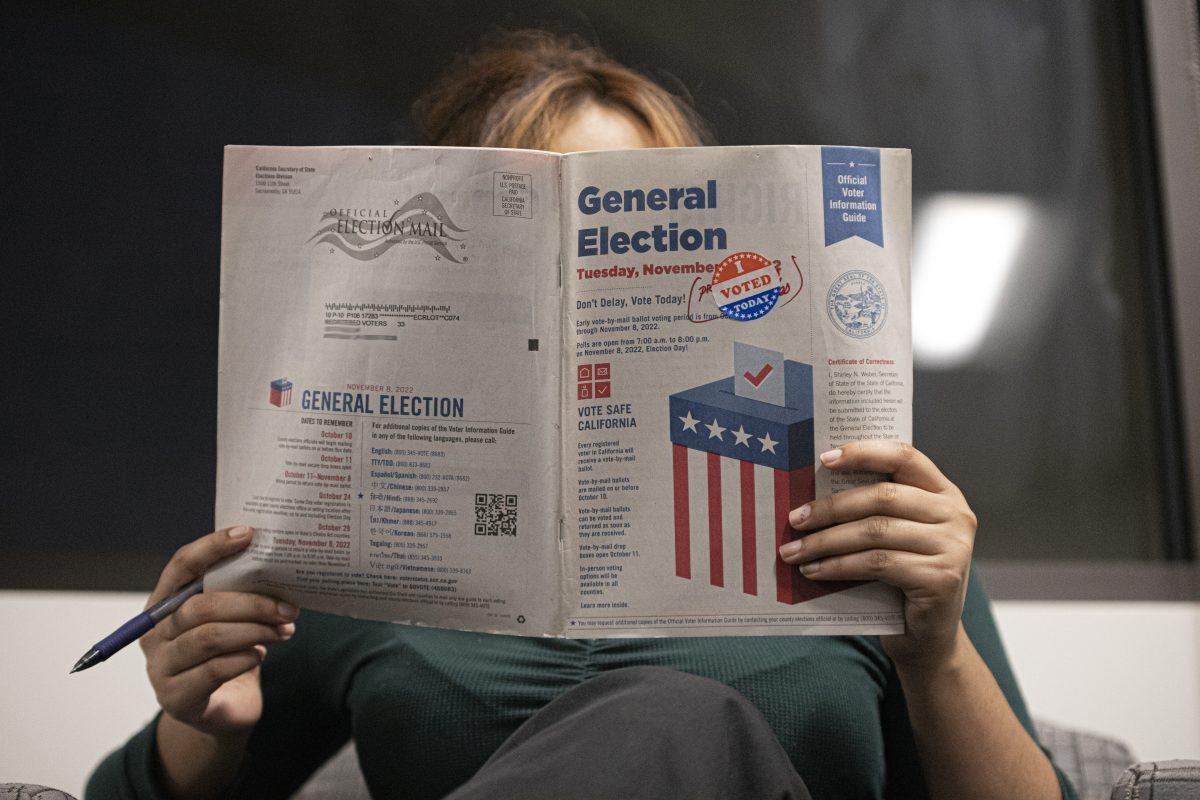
{"type": "Point", "coordinates": [857, 304]}
{"type": "Point", "coordinates": [367, 233]}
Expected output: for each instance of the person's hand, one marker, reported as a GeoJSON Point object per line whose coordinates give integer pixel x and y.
{"type": "Point", "coordinates": [914, 530]}
{"type": "Point", "coordinates": [203, 660]}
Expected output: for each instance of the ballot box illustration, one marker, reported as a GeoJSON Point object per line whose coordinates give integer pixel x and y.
{"type": "Point", "coordinates": [281, 392]}
{"type": "Point", "coordinates": [757, 425]}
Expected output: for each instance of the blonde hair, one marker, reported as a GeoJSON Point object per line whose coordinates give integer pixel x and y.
{"type": "Point", "coordinates": [520, 88]}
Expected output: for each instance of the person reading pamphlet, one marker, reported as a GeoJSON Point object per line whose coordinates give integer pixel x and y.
{"type": "Point", "coordinates": [643, 405]}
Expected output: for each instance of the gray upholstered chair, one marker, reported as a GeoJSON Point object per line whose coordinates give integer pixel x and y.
{"type": "Point", "coordinates": [29, 791]}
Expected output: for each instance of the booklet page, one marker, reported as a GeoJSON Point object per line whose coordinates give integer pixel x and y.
{"type": "Point", "coordinates": [730, 313]}
{"type": "Point", "coordinates": [389, 382]}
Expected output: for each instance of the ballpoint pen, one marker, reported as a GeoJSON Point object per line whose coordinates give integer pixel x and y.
{"type": "Point", "coordinates": [137, 627]}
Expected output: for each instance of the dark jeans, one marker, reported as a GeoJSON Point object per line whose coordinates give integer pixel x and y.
{"type": "Point", "coordinates": [640, 732]}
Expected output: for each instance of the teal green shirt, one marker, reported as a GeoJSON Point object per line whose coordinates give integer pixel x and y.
{"type": "Point", "coordinates": [427, 707]}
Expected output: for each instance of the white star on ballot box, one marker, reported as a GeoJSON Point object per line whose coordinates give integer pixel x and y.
{"type": "Point", "coordinates": [745, 442]}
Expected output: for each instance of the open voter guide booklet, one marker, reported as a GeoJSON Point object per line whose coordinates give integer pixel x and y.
{"type": "Point", "coordinates": [556, 395]}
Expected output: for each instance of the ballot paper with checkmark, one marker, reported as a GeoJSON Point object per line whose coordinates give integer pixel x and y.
{"type": "Point", "coordinates": [543, 394]}
{"type": "Point", "coordinates": [758, 374]}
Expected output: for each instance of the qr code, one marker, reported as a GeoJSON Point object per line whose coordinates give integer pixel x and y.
{"type": "Point", "coordinates": [495, 514]}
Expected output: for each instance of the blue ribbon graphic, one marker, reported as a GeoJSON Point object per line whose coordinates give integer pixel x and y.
{"type": "Point", "coordinates": [852, 194]}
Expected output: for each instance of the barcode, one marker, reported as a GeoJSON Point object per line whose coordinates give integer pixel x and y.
{"type": "Point", "coordinates": [495, 514]}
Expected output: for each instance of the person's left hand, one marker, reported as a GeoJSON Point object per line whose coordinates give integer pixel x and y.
{"type": "Point", "coordinates": [914, 530]}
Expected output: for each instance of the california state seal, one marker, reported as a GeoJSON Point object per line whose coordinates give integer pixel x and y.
{"type": "Point", "coordinates": [857, 304]}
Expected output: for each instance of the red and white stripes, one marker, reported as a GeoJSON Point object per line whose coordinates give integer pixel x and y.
{"type": "Point", "coordinates": [736, 543]}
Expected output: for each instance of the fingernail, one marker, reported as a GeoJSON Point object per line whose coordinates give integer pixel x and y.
{"type": "Point", "coordinates": [810, 568]}
{"type": "Point", "coordinates": [831, 456]}
{"type": "Point", "coordinates": [287, 610]}
{"type": "Point", "coordinates": [286, 630]}
{"type": "Point", "coordinates": [241, 531]}
{"type": "Point", "coordinates": [799, 515]}
{"type": "Point", "coordinates": [791, 548]}
{"type": "Point", "coordinates": [262, 651]}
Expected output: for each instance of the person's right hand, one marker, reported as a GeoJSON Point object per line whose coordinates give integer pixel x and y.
{"type": "Point", "coordinates": [203, 660]}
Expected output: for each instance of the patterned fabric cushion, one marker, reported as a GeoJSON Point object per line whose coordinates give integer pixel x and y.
{"type": "Point", "coordinates": [1159, 780]}
{"type": "Point", "coordinates": [29, 791]}
{"type": "Point", "coordinates": [1092, 762]}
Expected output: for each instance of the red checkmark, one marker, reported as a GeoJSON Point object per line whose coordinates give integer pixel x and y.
{"type": "Point", "coordinates": [756, 380]}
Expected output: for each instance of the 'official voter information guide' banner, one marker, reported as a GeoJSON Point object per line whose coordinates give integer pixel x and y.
{"type": "Point", "coordinates": [853, 194]}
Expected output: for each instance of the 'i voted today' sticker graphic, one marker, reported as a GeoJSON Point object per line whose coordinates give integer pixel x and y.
{"type": "Point", "coordinates": [746, 286]}
{"type": "Point", "coordinates": [853, 197]}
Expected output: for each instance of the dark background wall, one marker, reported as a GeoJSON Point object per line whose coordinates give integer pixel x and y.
{"type": "Point", "coordinates": [114, 122]}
